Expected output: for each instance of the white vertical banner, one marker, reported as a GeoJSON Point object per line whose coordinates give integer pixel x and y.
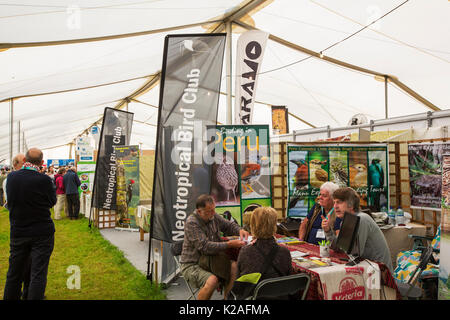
{"type": "Point", "coordinates": [249, 55]}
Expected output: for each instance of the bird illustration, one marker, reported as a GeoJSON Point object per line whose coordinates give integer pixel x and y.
{"type": "Point", "coordinates": [250, 172]}
{"type": "Point", "coordinates": [339, 173]}
{"type": "Point", "coordinates": [358, 175]}
{"type": "Point", "coordinates": [301, 174]}
{"type": "Point", "coordinates": [376, 174]}
{"type": "Point", "coordinates": [129, 191]}
{"type": "Point", "coordinates": [228, 216]}
{"type": "Point", "coordinates": [317, 175]}
{"type": "Point", "coordinates": [376, 181]}
{"type": "Point", "coordinates": [226, 174]}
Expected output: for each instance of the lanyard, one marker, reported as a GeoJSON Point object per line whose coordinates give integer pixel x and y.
{"type": "Point", "coordinates": [29, 168]}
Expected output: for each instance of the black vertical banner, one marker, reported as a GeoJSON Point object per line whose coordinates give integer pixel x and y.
{"type": "Point", "coordinates": [189, 96]}
{"type": "Point", "coordinates": [116, 131]}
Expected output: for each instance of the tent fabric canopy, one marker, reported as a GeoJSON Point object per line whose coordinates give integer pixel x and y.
{"type": "Point", "coordinates": [63, 63]}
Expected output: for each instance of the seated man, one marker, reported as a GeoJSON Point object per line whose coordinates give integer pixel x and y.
{"type": "Point", "coordinates": [202, 238]}
{"type": "Point", "coordinates": [310, 229]}
{"type": "Point", "coordinates": [370, 242]}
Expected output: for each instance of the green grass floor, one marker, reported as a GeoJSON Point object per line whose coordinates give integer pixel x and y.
{"type": "Point", "coordinates": [105, 273]}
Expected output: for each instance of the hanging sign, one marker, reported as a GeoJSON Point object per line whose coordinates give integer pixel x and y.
{"type": "Point", "coordinates": [249, 55]}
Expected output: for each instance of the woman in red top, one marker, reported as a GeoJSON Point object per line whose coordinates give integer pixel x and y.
{"type": "Point", "coordinates": [60, 193]}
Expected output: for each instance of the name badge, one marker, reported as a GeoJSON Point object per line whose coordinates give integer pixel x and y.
{"type": "Point", "coordinates": [320, 234]}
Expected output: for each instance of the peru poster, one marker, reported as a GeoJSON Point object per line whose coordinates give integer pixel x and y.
{"type": "Point", "coordinates": [361, 167]}
{"type": "Point", "coordinates": [241, 169]}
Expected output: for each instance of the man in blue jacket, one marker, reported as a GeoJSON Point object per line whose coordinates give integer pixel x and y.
{"type": "Point", "coordinates": [71, 184]}
{"type": "Point", "coordinates": [30, 196]}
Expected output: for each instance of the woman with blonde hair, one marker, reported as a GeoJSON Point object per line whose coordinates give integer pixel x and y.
{"type": "Point", "coordinates": [264, 255]}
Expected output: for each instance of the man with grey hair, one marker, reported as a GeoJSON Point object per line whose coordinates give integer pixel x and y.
{"type": "Point", "coordinates": [30, 196]}
{"type": "Point", "coordinates": [370, 241]}
{"type": "Point", "coordinates": [310, 229]}
{"type": "Point", "coordinates": [17, 163]}
{"type": "Point", "coordinates": [2, 186]}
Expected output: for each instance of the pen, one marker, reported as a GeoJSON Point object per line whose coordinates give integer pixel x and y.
{"type": "Point", "coordinates": [329, 213]}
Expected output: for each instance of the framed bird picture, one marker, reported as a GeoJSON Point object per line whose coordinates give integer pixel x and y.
{"type": "Point", "coordinates": [361, 167]}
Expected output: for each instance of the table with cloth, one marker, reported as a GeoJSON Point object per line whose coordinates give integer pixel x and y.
{"type": "Point", "coordinates": [339, 281]}
{"type": "Point", "coordinates": [342, 282]}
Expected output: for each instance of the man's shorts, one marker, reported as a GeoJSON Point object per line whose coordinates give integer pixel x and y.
{"type": "Point", "coordinates": [194, 274]}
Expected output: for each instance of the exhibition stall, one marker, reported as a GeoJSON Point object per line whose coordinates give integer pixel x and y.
{"type": "Point", "coordinates": [256, 102]}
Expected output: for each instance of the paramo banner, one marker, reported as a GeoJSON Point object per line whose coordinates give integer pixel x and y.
{"type": "Point", "coordinates": [249, 55]}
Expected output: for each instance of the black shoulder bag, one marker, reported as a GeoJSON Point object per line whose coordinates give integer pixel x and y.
{"type": "Point", "coordinates": [241, 289]}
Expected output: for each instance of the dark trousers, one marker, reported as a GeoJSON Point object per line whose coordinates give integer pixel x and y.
{"type": "Point", "coordinates": [39, 250]}
{"type": "Point", "coordinates": [73, 202]}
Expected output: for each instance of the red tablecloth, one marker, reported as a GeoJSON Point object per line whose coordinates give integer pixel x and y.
{"type": "Point", "coordinates": [315, 288]}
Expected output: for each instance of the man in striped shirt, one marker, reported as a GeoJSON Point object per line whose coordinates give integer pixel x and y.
{"type": "Point", "coordinates": [202, 237]}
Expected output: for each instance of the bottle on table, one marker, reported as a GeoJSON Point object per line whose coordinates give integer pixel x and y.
{"type": "Point", "coordinates": [391, 215]}
{"type": "Point", "coordinates": [400, 217]}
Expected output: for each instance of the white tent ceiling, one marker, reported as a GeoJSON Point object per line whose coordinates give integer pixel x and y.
{"type": "Point", "coordinates": [65, 61]}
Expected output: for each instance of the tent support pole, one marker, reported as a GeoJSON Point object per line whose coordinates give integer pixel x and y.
{"type": "Point", "coordinates": [11, 130]}
{"type": "Point", "coordinates": [386, 97]}
{"type": "Point", "coordinates": [18, 135]}
{"type": "Point", "coordinates": [229, 72]}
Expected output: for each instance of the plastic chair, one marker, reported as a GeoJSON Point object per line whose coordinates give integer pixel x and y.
{"type": "Point", "coordinates": [408, 260]}
{"type": "Point", "coordinates": [409, 290]}
{"type": "Point", "coordinates": [176, 248]}
{"type": "Point", "coordinates": [279, 287]}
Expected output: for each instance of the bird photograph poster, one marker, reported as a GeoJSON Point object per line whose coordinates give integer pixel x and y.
{"type": "Point", "coordinates": [127, 186]}
{"type": "Point", "coordinates": [444, 262]}
{"type": "Point", "coordinates": [241, 169]}
{"type": "Point", "coordinates": [425, 170]}
{"type": "Point", "coordinates": [361, 167]}
{"type": "Point", "coordinates": [86, 174]}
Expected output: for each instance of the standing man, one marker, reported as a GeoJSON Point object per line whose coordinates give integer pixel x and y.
{"type": "Point", "coordinates": [370, 242]}
{"type": "Point", "coordinates": [71, 184]}
{"type": "Point", "coordinates": [30, 196]}
{"type": "Point", "coordinates": [202, 240]}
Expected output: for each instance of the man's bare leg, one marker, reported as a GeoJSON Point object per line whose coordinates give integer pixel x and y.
{"type": "Point", "coordinates": [206, 292]}
{"type": "Point", "coordinates": [233, 275]}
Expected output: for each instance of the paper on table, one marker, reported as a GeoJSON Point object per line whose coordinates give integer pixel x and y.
{"type": "Point", "coordinates": [297, 254]}
{"type": "Point", "coordinates": [249, 240]}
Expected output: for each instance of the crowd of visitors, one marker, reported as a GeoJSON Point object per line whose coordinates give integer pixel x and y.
{"type": "Point", "coordinates": [29, 190]}
{"type": "Point", "coordinates": [67, 195]}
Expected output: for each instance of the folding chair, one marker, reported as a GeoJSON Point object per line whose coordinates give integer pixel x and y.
{"type": "Point", "coordinates": [408, 260]}
{"type": "Point", "coordinates": [409, 290]}
{"type": "Point", "coordinates": [275, 288]}
{"type": "Point", "coordinates": [176, 248]}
